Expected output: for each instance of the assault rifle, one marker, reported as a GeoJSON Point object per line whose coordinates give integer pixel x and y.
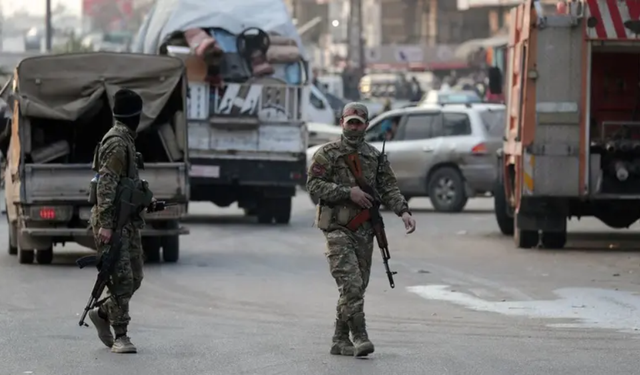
{"type": "Point", "coordinates": [353, 162]}
{"type": "Point", "coordinates": [129, 200]}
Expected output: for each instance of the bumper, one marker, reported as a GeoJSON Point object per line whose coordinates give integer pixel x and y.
{"type": "Point", "coordinates": [479, 178]}
{"type": "Point", "coordinates": [246, 172]}
{"type": "Point", "coordinates": [76, 232]}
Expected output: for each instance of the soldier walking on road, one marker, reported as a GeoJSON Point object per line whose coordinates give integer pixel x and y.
{"type": "Point", "coordinates": [350, 242]}
{"type": "Point", "coordinates": [114, 161]}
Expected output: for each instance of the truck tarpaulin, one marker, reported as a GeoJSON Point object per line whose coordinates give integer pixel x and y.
{"type": "Point", "coordinates": [63, 87]}
{"type": "Point", "coordinates": [169, 16]}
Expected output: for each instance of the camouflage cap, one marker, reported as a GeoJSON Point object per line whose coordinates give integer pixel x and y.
{"type": "Point", "coordinates": [355, 111]}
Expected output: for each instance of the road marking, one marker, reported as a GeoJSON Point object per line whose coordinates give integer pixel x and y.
{"type": "Point", "coordinates": [589, 307]}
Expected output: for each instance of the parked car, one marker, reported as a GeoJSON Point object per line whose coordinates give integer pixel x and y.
{"type": "Point", "coordinates": [446, 153]}
{"type": "Point", "coordinates": [443, 97]}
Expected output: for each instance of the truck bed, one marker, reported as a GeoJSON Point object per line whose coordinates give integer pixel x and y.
{"type": "Point", "coordinates": [48, 183]}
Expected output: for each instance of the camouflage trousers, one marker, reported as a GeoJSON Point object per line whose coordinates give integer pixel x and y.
{"type": "Point", "coordinates": [126, 278]}
{"type": "Point", "coordinates": [349, 256]}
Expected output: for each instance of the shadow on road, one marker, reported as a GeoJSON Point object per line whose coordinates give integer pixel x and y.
{"type": "Point", "coordinates": [592, 242]}
{"type": "Point", "coordinates": [219, 219]}
{"type": "Point", "coordinates": [609, 242]}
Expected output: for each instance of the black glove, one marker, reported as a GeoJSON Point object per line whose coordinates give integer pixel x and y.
{"type": "Point", "coordinates": [157, 206]}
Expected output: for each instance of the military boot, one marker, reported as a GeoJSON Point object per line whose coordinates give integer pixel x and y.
{"type": "Point", "coordinates": [362, 345]}
{"type": "Point", "coordinates": [123, 345]}
{"type": "Point", "coordinates": [341, 343]}
{"type": "Point", "coordinates": [102, 326]}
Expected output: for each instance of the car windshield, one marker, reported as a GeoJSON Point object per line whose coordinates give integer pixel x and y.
{"type": "Point", "coordinates": [494, 122]}
{"type": "Point", "coordinates": [460, 97]}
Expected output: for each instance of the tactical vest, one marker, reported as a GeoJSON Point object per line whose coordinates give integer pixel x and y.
{"type": "Point", "coordinates": [131, 179]}
{"type": "Point", "coordinates": [131, 154]}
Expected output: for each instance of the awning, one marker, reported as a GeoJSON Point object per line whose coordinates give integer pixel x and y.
{"type": "Point", "coordinates": [465, 49]}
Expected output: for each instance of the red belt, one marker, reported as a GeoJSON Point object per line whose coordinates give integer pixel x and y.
{"type": "Point", "coordinates": [360, 219]}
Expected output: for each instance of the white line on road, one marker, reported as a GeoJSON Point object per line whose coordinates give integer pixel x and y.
{"type": "Point", "coordinates": [590, 307]}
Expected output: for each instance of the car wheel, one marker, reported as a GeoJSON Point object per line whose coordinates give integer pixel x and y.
{"type": "Point", "coordinates": [447, 190]}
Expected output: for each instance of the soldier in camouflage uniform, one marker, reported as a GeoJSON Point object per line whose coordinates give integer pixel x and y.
{"type": "Point", "coordinates": [349, 246]}
{"type": "Point", "coordinates": [113, 163]}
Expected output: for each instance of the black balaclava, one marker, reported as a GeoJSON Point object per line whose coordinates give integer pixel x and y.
{"type": "Point", "coordinates": [127, 108]}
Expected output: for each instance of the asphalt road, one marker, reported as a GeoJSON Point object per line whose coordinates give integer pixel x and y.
{"type": "Point", "coordinates": [251, 299]}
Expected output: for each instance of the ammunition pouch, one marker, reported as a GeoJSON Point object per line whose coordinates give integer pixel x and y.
{"type": "Point", "coordinates": [135, 194]}
{"type": "Point", "coordinates": [343, 215]}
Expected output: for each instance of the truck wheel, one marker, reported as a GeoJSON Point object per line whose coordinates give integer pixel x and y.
{"type": "Point", "coordinates": [250, 211]}
{"type": "Point", "coordinates": [171, 244]}
{"type": "Point", "coordinates": [265, 211]}
{"type": "Point", "coordinates": [151, 249]}
{"type": "Point", "coordinates": [446, 190]}
{"type": "Point", "coordinates": [526, 239]}
{"type": "Point", "coordinates": [170, 248]}
{"type": "Point", "coordinates": [12, 242]}
{"type": "Point", "coordinates": [25, 256]}
{"type": "Point", "coordinates": [45, 256]}
{"type": "Point", "coordinates": [501, 208]}
{"type": "Point", "coordinates": [282, 213]}
{"type": "Point", "coordinates": [554, 240]}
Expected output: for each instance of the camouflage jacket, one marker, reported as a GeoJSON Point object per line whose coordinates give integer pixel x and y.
{"type": "Point", "coordinates": [330, 179]}
{"type": "Point", "coordinates": [113, 164]}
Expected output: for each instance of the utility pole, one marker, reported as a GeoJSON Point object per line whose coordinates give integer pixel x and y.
{"type": "Point", "coordinates": [49, 29]}
{"type": "Point", "coordinates": [355, 53]}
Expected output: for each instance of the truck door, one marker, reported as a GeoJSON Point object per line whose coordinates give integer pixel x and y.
{"type": "Point", "coordinates": [552, 121]}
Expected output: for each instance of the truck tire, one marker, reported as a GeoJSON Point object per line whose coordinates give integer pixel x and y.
{"type": "Point", "coordinates": [171, 244]}
{"type": "Point", "coordinates": [447, 190]}
{"type": "Point", "coordinates": [501, 208]}
{"type": "Point", "coordinates": [525, 239]}
{"type": "Point", "coordinates": [554, 240]}
{"type": "Point", "coordinates": [265, 211]}
{"type": "Point", "coordinates": [282, 210]}
{"type": "Point", "coordinates": [12, 241]}
{"type": "Point", "coordinates": [45, 256]}
{"type": "Point", "coordinates": [151, 249]}
{"type": "Point", "coordinates": [171, 249]}
{"type": "Point", "coordinates": [25, 256]}
{"type": "Point", "coordinates": [250, 211]}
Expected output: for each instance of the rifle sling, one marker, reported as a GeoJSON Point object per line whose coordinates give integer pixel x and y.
{"type": "Point", "coordinates": [353, 162]}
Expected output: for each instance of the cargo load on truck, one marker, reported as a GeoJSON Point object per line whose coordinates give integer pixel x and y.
{"type": "Point", "coordinates": [248, 85]}
{"type": "Point", "coordinates": [61, 108]}
{"type": "Point", "coordinates": [572, 140]}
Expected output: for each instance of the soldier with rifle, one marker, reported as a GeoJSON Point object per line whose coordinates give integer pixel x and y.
{"type": "Point", "coordinates": [352, 179]}
{"type": "Point", "coordinates": [118, 196]}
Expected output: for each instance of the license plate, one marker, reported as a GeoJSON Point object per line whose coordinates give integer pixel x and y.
{"type": "Point", "coordinates": [211, 171]}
